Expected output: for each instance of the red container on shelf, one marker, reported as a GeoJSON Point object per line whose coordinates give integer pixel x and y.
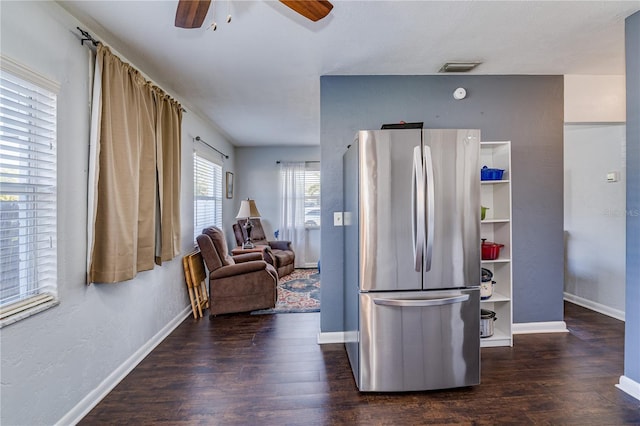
{"type": "Point", "coordinates": [490, 250]}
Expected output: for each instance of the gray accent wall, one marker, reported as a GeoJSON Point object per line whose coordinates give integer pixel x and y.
{"type": "Point", "coordinates": [527, 110]}
{"type": "Point", "coordinates": [632, 311]}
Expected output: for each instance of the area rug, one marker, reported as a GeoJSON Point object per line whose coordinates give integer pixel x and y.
{"type": "Point", "coordinates": [297, 292]}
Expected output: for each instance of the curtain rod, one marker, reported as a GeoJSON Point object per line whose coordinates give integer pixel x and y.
{"type": "Point", "coordinates": [87, 37]}
{"type": "Point", "coordinates": [314, 161]}
{"type": "Point", "coordinates": [199, 139]}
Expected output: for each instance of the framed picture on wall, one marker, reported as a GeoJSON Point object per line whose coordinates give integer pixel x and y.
{"type": "Point", "coordinates": [229, 185]}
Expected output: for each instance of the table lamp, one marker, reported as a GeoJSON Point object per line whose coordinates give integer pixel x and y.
{"type": "Point", "coordinates": [248, 210]}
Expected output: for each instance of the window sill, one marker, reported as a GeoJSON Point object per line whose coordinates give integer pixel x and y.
{"type": "Point", "coordinates": [28, 312]}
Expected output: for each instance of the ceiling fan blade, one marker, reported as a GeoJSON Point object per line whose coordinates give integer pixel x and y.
{"type": "Point", "coordinates": [310, 9]}
{"type": "Point", "coordinates": [191, 13]}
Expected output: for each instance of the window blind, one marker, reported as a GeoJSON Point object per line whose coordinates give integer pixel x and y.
{"type": "Point", "coordinates": [207, 194]}
{"type": "Point", "coordinates": [28, 220]}
{"type": "Point", "coordinates": [312, 194]}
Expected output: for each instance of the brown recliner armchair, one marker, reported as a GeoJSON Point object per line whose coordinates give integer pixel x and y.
{"type": "Point", "coordinates": [280, 254]}
{"type": "Point", "coordinates": [239, 283]}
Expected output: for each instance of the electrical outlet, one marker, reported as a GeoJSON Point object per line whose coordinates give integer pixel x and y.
{"type": "Point", "coordinates": [337, 218]}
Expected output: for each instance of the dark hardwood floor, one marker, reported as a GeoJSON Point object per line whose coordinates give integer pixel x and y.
{"type": "Point", "coordinates": [268, 370]}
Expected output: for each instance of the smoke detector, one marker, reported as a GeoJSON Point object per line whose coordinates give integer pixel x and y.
{"type": "Point", "coordinates": [458, 66]}
{"type": "Point", "coordinates": [460, 93]}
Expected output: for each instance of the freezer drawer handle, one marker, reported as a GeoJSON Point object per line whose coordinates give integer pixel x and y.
{"type": "Point", "coordinates": [416, 303]}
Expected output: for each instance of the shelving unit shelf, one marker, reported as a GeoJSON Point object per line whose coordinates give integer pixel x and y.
{"type": "Point", "coordinates": [496, 227]}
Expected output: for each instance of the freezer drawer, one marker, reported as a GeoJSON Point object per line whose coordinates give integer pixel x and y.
{"type": "Point", "coordinates": [419, 340]}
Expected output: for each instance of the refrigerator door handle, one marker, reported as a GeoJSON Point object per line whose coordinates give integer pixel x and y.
{"type": "Point", "coordinates": [417, 208]}
{"type": "Point", "coordinates": [430, 207]}
{"type": "Point", "coordinates": [418, 303]}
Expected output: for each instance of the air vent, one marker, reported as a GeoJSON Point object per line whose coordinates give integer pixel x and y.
{"type": "Point", "coordinates": [459, 66]}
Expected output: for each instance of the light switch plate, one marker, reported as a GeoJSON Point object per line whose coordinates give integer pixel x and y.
{"type": "Point", "coordinates": [337, 218]}
{"type": "Point", "coordinates": [612, 177]}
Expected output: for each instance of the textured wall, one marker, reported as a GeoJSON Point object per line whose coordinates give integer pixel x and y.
{"type": "Point", "coordinates": [52, 360]}
{"type": "Point", "coordinates": [528, 110]}
{"type": "Point", "coordinates": [594, 214]}
{"type": "Point", "coordinates": [632, 325]}
{"type": "Point", "coordinates": [594, 99]}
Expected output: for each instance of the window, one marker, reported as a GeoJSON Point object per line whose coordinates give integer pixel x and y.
{"type": "Point", "coordinates": [207, 193]}
{"type": "Point", "coordinates": [300, 184]}
{"type": "Point", "coordinates": [28, 220]}
{"type": "Point", "coordinates": [312, 194]}
{"type": "Point", "coordinates": [300, 215]}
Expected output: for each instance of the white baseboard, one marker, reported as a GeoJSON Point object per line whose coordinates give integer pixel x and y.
{"type": "Point", "coordinates": [539, 327]}
{"type": "Point", "coordinates": [92, 399]}
{"type": "Point", "coordinates": [331, 337]}
{"type": "Point", "coordinates": [594, 306]}
{"type": "Point", "coordinates": [629, 386]}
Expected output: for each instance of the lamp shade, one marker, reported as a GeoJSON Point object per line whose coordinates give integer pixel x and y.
{"type": "Point", "coordinates": [247, 209]}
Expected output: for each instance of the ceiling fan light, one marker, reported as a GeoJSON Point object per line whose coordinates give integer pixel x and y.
{"type": "Point", "coordinates": [458, 66]}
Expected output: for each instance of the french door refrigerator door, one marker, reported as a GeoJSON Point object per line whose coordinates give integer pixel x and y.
{"type": "Point", "coordinates": [390, 202]}
{"type": "Point", "coordinates": [419, 340]}
{"type": "Point", "coordinates": [451, 159]}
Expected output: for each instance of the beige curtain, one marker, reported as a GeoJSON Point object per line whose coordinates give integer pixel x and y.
{"type": "Point", "coordinates": [137, 199]}
{"type": "Point", "coordinates": [169, 118]}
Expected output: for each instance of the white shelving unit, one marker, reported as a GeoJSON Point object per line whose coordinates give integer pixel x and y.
{"type": "Point", "coordinates": [496, 227]}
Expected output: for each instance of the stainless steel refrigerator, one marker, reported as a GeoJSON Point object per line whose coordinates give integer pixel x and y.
{"type": "Point", "coordinates": [412, 259]}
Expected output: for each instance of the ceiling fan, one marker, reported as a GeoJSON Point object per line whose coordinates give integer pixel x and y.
{"type": "Point", "coordinates": [191, 13]}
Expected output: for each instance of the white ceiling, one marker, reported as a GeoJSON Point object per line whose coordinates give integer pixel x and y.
{"type": "Point", "coordinates": [258, 78]}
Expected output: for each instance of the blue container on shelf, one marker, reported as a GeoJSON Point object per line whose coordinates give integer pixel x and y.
{"type": "Point", "coordinates": [491, 174]}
